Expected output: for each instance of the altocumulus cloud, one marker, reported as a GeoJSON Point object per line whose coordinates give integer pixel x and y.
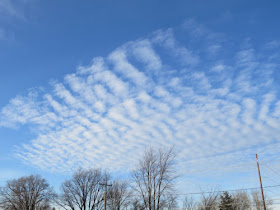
{"type": "Point", "coordinates": [209, 100]}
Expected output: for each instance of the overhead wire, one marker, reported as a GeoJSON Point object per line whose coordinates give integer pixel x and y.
{"type": "Point", "coordinates": [265, 177]}
{"type": "Point", "coordinates": [271, 169]}
{"type": "Point", "coordinates": [241, 189]}
{"type": "Point", "coordinates": [273, 192]}
{"type": "Point", "coordinates": [202, 192]}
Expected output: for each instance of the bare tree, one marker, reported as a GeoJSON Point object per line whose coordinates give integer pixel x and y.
{"type": "Point", "coordinates": [189, 203]}
{"type": "Point", "coordinates": [136, 205]}
{"type": "Point", "coordinates": [83, 191]}
{"type": "Point", "coordinates": [241, 200]}
{"type": "Point", "coordinates": [170, 202]}
{"type": "Point", "coordinates": [209, 200]}
{"type": "Point", "coordinates": [27, 193]}
{"type": "Point", "coordinates": [258, 202]}
{"type": "Point", "coordinates": [154, 178]}
{"type": "Point", "coordinates": [119, 195]}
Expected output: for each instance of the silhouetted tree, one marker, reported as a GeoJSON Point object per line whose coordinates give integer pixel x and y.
{"type": "Point", "coordinates": [118, 195]}
{"type": "Point", "coordinates": [83, 191]}
{"type": "Point", "coordinates": [209, 201]}
{"type": "Point", "coordinates": [136, 205]}
{"type": "Point", "coordinates": [154, 178]}
{"type": "Point", "coordinates": [189, 203]}
{"type": "Point", "coordinates": [27, 193]}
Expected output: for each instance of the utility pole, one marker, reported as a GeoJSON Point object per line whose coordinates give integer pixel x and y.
{"type": "Point", "coordinates": [260, 181]}
{"type": "Point", "coordinates": [105, 193]}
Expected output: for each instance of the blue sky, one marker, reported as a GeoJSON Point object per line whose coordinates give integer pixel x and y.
{"type": "Point", "coordinates": [93, 83]}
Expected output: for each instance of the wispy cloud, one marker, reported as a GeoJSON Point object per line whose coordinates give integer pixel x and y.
{"type": "Point", "coordinates": [10, 11]}
{"type": "Point", "coordinates": [272, 44]}
{"type": "Point", "coordinates": [12, 8]}
{"type": "Point", "coordinates": [153, 91]}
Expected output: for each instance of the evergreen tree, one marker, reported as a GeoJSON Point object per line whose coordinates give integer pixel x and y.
{"type": "Point", "coordinates": [226, 202]}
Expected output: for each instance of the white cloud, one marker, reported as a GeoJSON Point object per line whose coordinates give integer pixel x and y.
{"type": "Point", "coordinates": [181, 53]}
{"type": "Point", "coordinates": [118, 57]}
{"type": "Point", "coordinates": [6, 6]}
{"type": "Point", "coordinates": [12, 9]}
{"type": "Point", "coordinates": [106, 113]}
{"type": "Point", "coordinates": [214, 49]}
{"type": "Point", "coordinates": [272, 44]}
{"type": "Point", "coordinates": [219, 68]}
{"type": "Point", "coordinates": [196, 29]}
{"type": "Point", "coordinates": [143, 51]}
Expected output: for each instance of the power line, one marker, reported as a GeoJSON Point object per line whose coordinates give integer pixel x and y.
{"type": "Point", "coordinates": [273, 192]}
{"type": "Point", "coordinates": [271, 169]}
{"type": "Point", "coordinates": [270, 179]}
{"type": "Point", "coordinates": [220, 191]}
{"type": "Point", "coordinates": [222, 168]}
{"type": "Point", "coordinates": [191, 193]}
{"type": "Point", "coordinates": [272, 160]}
{"type": "Point", "coordinates": [241, 189]}
{"type": "Point", "coordinates": [231, 167]}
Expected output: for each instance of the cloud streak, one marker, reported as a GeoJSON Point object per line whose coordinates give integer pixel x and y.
{"type": "Point", "coordinates": [13, 9]}
{"type": "Point", "coordinates": [153, 91]}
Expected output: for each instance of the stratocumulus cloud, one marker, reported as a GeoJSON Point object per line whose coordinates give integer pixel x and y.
{"type": "Point", "coordinates": [154, 91]}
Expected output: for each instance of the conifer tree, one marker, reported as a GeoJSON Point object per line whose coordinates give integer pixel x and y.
{"type": "Point", "coordinates": [226, 202]}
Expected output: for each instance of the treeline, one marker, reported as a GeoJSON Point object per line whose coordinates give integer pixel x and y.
{"type": "Point", "coordinates": [151, 187]}
{"type": "Point", "coordinates": [223, 200]}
